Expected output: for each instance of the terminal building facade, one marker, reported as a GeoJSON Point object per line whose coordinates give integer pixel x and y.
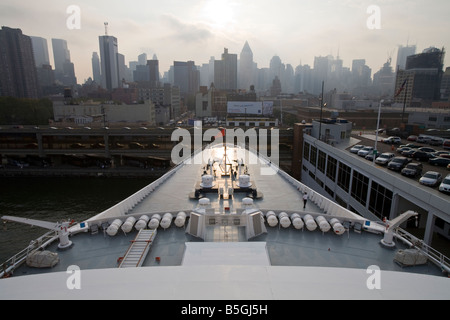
{"type": "Point", "coordinates": [362, 187]}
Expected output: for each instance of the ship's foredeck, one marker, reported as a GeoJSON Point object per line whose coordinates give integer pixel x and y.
{"type": "Point", "coordinates": [280, 262]}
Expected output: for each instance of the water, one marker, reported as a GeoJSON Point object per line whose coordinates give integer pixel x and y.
{"type": "Point", "coordinates": [55, 199]}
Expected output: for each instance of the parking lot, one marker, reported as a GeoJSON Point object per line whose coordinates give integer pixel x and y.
{"type": "Point", "coordinates": [369, 140]}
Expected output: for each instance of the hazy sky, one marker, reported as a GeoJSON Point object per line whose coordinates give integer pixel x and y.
{"type": "Point", "coordinates": [295, 30]}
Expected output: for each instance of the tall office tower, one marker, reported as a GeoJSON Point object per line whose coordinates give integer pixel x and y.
{"type": "Point", "coordinates": [142, 59]}
{"type": "Point", "coordinates": [40, 50]}
{"type": "Point", "coordinates": [402, 55]}
{"type": "Point", "coordinates": [428, 68]}
{"type": "Point", "coordinates": [64, 68]}
{"type": "Point", "coordinates": [186, 76]}
{"type": "Point", "coordinates": [246, 68]}
{"type": "Point", "coordinates": [96, 68]}
{"type": "Point", "coordinates": [154, 72]}
{"type": "Point", "coordinates": [123, 70]}
{"type": "Point", "coordinates": [361, 73]}
{"type": "Point", "coordinates": [225, 72]}
{"type": "Point", "coordinates": [109, 66]}
{"type": "Point", "coordinates": [384, 80]}
{"type": "Point", "coordinates": [18, 76]}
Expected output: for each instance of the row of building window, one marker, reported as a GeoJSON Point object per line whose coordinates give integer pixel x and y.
{"type": "Point", "coordinates": [351, 181]}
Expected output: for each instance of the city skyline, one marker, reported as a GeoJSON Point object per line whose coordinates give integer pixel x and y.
{"type": "Point", "coordinates": [296, 31]}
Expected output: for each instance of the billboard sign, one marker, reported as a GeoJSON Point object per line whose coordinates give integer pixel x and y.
{"type": "Point", "coordinates": [245, 107]}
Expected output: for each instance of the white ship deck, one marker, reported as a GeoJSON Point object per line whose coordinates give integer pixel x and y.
{"type": "Point", "coordinates": [280, 254]}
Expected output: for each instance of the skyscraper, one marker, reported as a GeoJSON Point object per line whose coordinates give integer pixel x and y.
{"type": "Point", "coordinates": [109, 67]}
{"type": "Point", "coordinates": [96, 68]}
{"type": "Point", "coordinates": [18, 76]}
{"type": "Point", "coordinates": [246, 68]}
{"type": "Point", "coordinates": [154, 71]}
{"type": "Point", "coordinates": [64, 68]}
{"type": "Point", "coordinates": [186, 76]}
{"type": "Point", "coordinates": [402, 55]}
{"type": "Point", "coordinates": [40, 50]}
{"type": "Point", "coordinates": [225, 71]}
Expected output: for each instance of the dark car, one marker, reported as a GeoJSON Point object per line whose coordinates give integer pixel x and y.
{"type": "Point", "coordinates": [421, 155]}
{"type": "Point", "coordinates": [426, 149]}
{"type": "Point", "coordinates": [398, 163]}
{"type": "Point", "coordinates": [403, 148]}
{"type": "Point", "coordinates": [408, 153]}
{"type": "Point", "coordinates": [439, 161]}
{"type": "Point", "coordinates": [412, 170]}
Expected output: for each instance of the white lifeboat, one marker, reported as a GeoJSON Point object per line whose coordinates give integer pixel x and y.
{"type": "Point", "coordinates": [297, 221]}
{"type": "Point", "coordinates": [180, 219]}
{"type": "Point", "coordinates": [142, 222]}
{"type": "Point", "coordinates": [338, 228]}
{"type": "Point", "coordinates": [310, 223]}
{"type": "Point", "coordinates": [271, 218]}
{"type": "Point", "coordinates": [285, 222]}
{"type": "Point", "coordinates": [114, 227]}
{"type": "Point", "coordinates": [128, 225]}
{"type": "Point", "coordinates": [154, 222]}
{"type": "Point", "coordinates": [323, 224]}
{"type": "Point", "coordinates": [166, 221]}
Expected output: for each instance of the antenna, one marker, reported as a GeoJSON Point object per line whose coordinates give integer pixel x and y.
{"type": "Point", "coordinates": [106, 28]}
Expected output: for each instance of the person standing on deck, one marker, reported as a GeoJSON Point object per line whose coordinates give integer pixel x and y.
{"type": "Point", "coordinates": [305, 199]}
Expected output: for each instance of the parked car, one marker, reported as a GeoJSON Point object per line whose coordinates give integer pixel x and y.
{"type": "Point", "coordinates": [392, 140]}
{"type": "Point", "coordinates": [423, 139]}
{"type": "Point", "coordinates": [408, 153]}
{"type": "Point", "coordinates": [412, 169]}
{"type": "Point", "coordinates": [421, 155]}
{"type": "Point", "coordinates": [431, 179]}
{"type": "Point", "coordinates": [398, 163]}
{"type": "Point", "coordinates": [426, 149]}
{"type": "Point", "coordinates": [440, 153]}
{"type": "Point", "coordinates": [446, 144]}
{"type": "Point", "coordinates": [445, 185]}
{"type": "Point", "coordinates": [384, 158]}
{"type": "Point", "coordinates": [436, 141]}
{"type": "Point", "coordinates": [413, 146]}
{"type": "Point", "coordinates": [365, 151]}
{"type": "Point", "coordinates": [439, 161]}
{"type": "Point", "coordinates": [403, 148]}
{"type": "Point", "coordinates": [356, 148]}
{"type": "Point", "coordinates": [412, 138]}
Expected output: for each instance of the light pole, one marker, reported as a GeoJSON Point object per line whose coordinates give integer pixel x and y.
{"type": "Point", "coordinates": [376, 134]}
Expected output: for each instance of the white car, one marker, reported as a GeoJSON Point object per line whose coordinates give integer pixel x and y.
{"type": "Point", "coordinates": [365, 151]}
{"type": "Point", "coordinates": [393, 140]}
{"type": "Point", "coordinates": [431, 179]}
{"type": "Point", "coordinates": [445, 185]}
{"type": "Point", "coordinates": [384, 158]}
{"type": "Point", "coordinates": [356, 148]}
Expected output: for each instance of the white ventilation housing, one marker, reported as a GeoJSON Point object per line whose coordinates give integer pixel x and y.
{"type": "Point", "coordinates": [244, 181]}
{"type": "Point", "coordinates": [207, 181]}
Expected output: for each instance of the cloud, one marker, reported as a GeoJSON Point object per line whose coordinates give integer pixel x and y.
{"type": "Point", "coordinates": [185, 32]}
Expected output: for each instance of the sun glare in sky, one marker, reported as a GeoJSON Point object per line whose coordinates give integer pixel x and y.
{"type": "Point", "coordinates": [218, 13]}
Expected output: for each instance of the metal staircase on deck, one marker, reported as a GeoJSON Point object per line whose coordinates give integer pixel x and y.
{"type": "Point", "coordinates": [138, 249]}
